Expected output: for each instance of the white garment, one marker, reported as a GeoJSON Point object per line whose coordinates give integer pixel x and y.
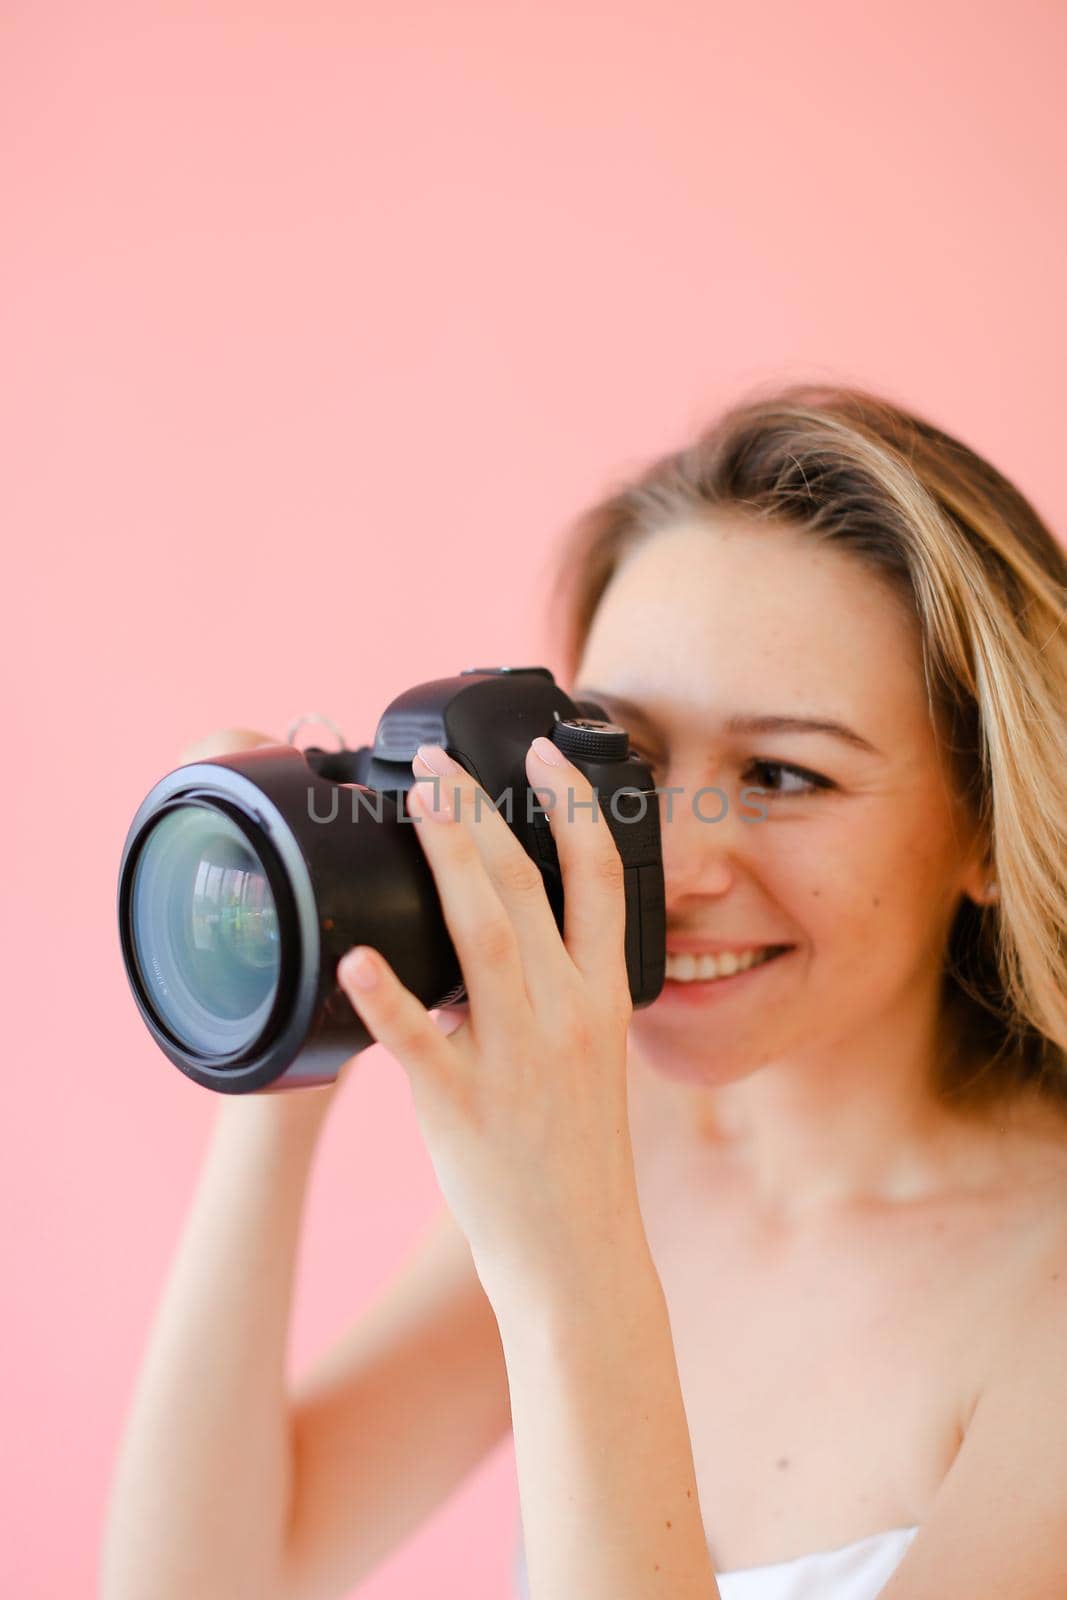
{"type": "Point", "coordinates": [856, 1571]}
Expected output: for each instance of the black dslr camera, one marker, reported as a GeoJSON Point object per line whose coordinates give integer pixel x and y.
{"type": "Point", "coordinates": [245, 879]}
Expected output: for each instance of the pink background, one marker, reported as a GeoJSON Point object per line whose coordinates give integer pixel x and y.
{"type": "Point", "coordinates": [318, 323]}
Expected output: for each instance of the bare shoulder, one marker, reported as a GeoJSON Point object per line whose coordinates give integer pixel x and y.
{"type": "Point", "coordinates": [1034, 1132]}
{"type": "Point", "coordinates": [1027, 1235]}
{"type": "Point", "coordinates": [996, 1523]}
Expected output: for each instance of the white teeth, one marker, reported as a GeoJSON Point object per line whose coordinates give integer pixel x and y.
{"type": "Point", "coordinates": [687, 968]}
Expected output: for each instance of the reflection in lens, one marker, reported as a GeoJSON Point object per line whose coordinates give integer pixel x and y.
{"type": "Point", "coordinates": [204, 927]}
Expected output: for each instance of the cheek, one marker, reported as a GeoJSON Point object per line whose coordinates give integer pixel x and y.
{"type": "Point", "coordinates": [869, 892]}
{"type": "Point", "coordinates": [830, 880]}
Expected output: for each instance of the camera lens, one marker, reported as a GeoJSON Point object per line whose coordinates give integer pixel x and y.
{"type": "Point", "coordinates": [204, 930]}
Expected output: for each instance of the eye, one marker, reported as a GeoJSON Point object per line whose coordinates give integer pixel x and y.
{"type": "Point", "coordinates": [809, 782]}
{"type": "Point", "coordinates": [638, 749]}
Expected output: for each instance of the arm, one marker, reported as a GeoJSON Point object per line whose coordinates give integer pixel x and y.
{"type": "Point", "coordinates": [316, 1486]}
{"type": "Point", "coordinates": [524, 1110]}
{"type": "Point", "coordinates": [605, 1465]}
{"type": "Point", "coordinates": [200, 1499]}
{"type": "Point", "coordinates": [394, 1417]}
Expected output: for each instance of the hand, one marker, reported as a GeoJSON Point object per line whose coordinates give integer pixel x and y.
{"type": "Point", "coordinates": [226, 742]}
{"type": "Point", "coordinates": [523, 1105]}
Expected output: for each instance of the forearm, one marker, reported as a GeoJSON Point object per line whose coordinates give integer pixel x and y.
{"type": "Point", "coordinates": [605, 1466]}
{"type": "Point", "coordinates": [200, 1498]}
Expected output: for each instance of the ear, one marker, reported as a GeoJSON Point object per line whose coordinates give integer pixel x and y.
{"type": "Point", "coordinates": [977, 872]}
{"type": "Point", "coordinates": [979, 880]}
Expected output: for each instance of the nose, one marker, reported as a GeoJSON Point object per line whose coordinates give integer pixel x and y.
{"type": "Point", "coordinates": [701, 840]}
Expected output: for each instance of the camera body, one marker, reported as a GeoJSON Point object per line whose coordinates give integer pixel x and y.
{"type": "Point", "coordinates": [245, 878]}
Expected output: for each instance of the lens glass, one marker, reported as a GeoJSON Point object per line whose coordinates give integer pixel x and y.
{"type": "Point", "coordinates": [204, 929]}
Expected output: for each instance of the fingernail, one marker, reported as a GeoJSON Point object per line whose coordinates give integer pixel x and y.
{"type": "Point", "coordinates": [548, 752]}
{"type": "Point", "coordinates": [438, 760]}
{"type": "Point", "coordinates": [358, 968]}
{"type": "Point", "coordinates": [429, 796]}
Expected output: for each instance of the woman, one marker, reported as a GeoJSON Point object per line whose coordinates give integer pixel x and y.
{"type": "Point", "coordinates": [770, 1277]}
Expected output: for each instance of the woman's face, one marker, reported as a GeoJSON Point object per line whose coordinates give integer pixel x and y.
{"type": "Point", "coordinates": [861, 855]}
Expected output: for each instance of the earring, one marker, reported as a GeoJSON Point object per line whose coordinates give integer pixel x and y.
{"type": "Point", "coordinates": [992, 890]}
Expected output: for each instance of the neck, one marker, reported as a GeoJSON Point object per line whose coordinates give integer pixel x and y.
{"type": "Point", "coordinates": [856, 1120]}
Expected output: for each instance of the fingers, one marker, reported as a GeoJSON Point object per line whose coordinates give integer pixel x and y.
{"type": "Point", "coordinates": [226, 742]}
{"type": "Point", "coordinates": [594, 915]}
{"type": "Point", "coordinates": [397, 1018]}
{"type": "Point", "coordinates": [514, 876]}
{"type": "Point", "coordinates": [452, 1019]}
{"type": "Point", "coordinates": [480, 927]}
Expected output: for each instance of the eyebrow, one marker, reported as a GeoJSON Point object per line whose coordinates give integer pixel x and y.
{"type": "Point", "coordinates": [753, 722]}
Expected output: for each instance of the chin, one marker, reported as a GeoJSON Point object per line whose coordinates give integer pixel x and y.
{"type": "Point", "coordinates": [696, 1062]}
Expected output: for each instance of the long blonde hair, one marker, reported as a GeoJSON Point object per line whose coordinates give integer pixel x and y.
{"type": "Point", "coordinates": [987, 584]}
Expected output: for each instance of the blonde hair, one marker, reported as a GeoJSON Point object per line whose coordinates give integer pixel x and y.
{"type": "Point", "coordinates": [986, 582]}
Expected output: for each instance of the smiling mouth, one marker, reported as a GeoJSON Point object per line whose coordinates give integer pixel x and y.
{"type": "Point", "coordinates": [685, 970]}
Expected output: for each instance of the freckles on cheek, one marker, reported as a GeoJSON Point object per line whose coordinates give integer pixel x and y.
{"type": "Point", "coordinates": [845, 913]}
{"type": "Point", "coordinates": [839, 891]}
